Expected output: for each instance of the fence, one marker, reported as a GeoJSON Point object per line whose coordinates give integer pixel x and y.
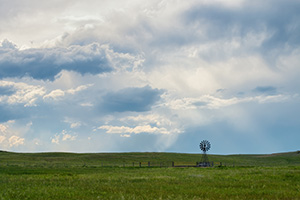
{"type": "Point", "coordinates": [97, 164]}
{"type": "Point", "coordinates": [44, 164]}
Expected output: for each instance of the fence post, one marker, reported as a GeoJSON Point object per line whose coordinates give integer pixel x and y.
{"type": "Point", "coordinates": [148, 163]}
{"type": "Point", "coordinates": [140, 164]}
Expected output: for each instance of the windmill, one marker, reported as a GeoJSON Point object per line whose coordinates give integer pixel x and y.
{"type": "Point", "coordinates": [204, 146]}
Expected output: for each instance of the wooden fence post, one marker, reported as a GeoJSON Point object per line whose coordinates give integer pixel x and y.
{"type": "Point", "coordinates": [140, 164]}
{"type": "Point", "coordinates": [148, 163]}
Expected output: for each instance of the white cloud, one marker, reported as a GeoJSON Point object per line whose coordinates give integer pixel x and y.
{"type": "Point", "coordinates": [75, 125]}
{"type": "Point", "coordinates": [55, 139]}
{"type": "Point", "coordinates": [9, 137]}
{"type": "Point", "coordinates": [15, 141]}
{"type": "Point", "coordinates": [55, 94]}
{"type": "Point", "coordinates": [87, 104]}
{"type": "Point", "coordinates": [143, 123]}
{"type": "Point", "coordinates": [22, 93]}
{"type": "Point", "coordinates": [78, 89]}
{"type": "Point", "coordinates": [63, 136]}
{"type": "Point", "coordinates": [58, 94]}
{"type": "Point", "coordinates": [67, 137]}
{"type": "Point", "coordinates": [158, 119]}
{"type": "Point", "coordinates": [29, 124]}
{"type": "Point", "coordinates": [135, 130]}
{"type": "Point", "coordinates": [146, 119]}
{"type": "Point", "coordinates": [3, 128]}
{"type": "Point", "coordinates": [2, 138]}
{"type": "Point", "coordinates": [126, 135]}
{"type": "Point", "coordinates": [210, 60]}
{"type": "Point", "coordinates": [213, 102]}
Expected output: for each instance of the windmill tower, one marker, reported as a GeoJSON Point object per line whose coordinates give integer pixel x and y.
{"type": "Point", "coordinates": [204, 146]}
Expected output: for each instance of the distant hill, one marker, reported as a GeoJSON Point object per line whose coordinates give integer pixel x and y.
{"type": "Point", "coordinates": [96, 159]}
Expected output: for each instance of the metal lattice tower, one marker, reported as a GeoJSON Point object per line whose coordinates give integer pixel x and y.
{"type": "Point", "coordinates": [204, 146]}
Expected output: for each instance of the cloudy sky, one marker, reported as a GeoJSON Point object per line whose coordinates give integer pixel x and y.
{"type": "Point", "coordinates": [159, 75]}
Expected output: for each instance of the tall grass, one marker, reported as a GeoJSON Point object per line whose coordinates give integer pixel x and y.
{"type": "Point", "coordinates": [81, 176]}
{"type": "Point", "coordinates": [129, 159]}
{"type": "Point", "coordinates": [151, 183]}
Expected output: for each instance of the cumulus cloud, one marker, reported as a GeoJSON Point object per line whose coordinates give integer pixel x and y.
{"type": "Point", "coordinates": [55, 94]}
{"type": "Point", "coordinates": [156, 119]}
{"type": "Point", "coordinates": [46, 63]}
{"type": "Point", "coordinates": [73, 123]}
{"type": "Point", "coordinates": [58, 94]}
{"type": "Point", "coordinates": [67, 137]}
{"type": "Point", "coordinates": [135, 130]}
{"type": "Point", "coordinates": [214, 102]}
{"type": "Point", "coordinates": [55, 139]}
{"type": "Point", "coordinates": [15, 141]}
{"type": "Point", "coordinates": [3, 128]}
{"type": "Point", "coordinates": [145, 124]}
{"type": "Point", "coordinates": [79, 88]}
{"type": "Point", "coordinates": [6, 90]}
{"type": "Point", "coordinates": [20, 93]}
{"type": "Point", "coordinates": [250, 17]}
{"type": "Point", "coordinates": [2, 138]}
{"type": "Point", "coordinates": [7, 45]}
{"type": "Point", "coordinates": [9, 137]}
{"type": "Point", "coordinates": [63, 136]}
{"type": "Point", "coordinates": [99, 55]}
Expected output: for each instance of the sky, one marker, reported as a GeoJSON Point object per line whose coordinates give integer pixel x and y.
{"type": "Point", "coordinates": [150, 76]}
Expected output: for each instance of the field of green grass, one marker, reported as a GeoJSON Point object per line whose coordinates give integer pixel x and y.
{"type": "Point", "coordinates": [112, 176]}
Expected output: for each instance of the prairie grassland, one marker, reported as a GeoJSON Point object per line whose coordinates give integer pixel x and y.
{"type": "Point", "coordinates": [119, 159]}
{"type": "Point", "coordinates": [150, 183]}
{"type": "Point", "coordinates": [22, 177]}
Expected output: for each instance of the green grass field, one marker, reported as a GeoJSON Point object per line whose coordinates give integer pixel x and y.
{"type": "Point", "coordinates": [103, 176]}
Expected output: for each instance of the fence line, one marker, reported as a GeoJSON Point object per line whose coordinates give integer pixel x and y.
{"type": "Point", "coordinates": [135, 164]}
{"type": "Point", "coordinates": [50, 164]}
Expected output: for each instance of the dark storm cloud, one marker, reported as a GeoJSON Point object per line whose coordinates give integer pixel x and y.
{"type": "Point", "coordinates": [131, 99]}
{"type": "Point", "coordinates": [279, 18]}
{"type": "Point", "coordinates": [266, 90]}
{"type": "Point", "coordinates": [46, 63]}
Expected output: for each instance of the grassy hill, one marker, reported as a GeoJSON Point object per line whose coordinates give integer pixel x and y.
{"type": "Point", "coordinates": [81, 176]}
{"type": "Point", "coordinates": [117, 159]}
